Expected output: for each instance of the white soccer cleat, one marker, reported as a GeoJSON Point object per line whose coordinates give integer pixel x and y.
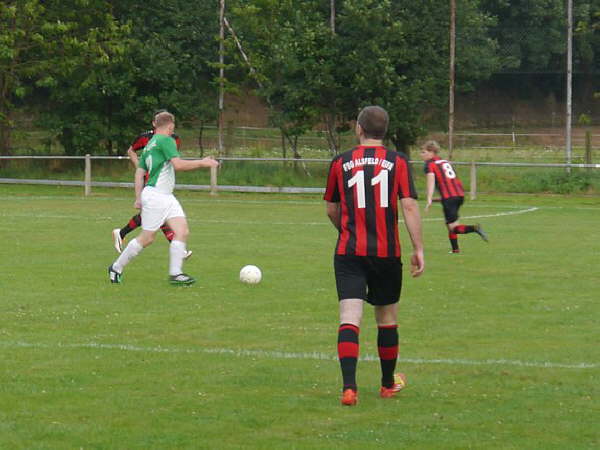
{"type": "Point", "coordinates": [188, 254]}
{"type": "Point", "coordinates": [117, 239]}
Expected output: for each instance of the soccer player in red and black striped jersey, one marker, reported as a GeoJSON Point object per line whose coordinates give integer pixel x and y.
{"type": "Point", "coordinates": [441, 175]}
{"type": "Point", "coordinates": [363, 188]}
{"type": "Point", "coordinates": [138, 145]}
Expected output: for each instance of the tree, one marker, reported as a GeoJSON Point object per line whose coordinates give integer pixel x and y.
{"type": "Point", "coordinates": [289, 44]}
{"type": "Point", "coordinates": [383, 52]}
{"type": "Point", "coordinates": [163, 62]}
{"type": "Point", "coordinates": [174, 56]}
{"type": "Point", "coordinates": [40, 41]}
{"type": "Point", "coordinates": [396, 54]}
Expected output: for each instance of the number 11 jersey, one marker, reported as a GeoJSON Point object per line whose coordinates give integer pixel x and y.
{"type": "Point", "coordinates": [367, 181]}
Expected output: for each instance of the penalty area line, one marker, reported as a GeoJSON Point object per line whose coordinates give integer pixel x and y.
{"type": "Point", "coordinates": [317, 356]}
{"type": "Point", "coordinates": [483, 216]}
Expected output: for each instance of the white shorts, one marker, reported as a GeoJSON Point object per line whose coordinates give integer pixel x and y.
{"type": "Point", "coordinates": [157, 208]}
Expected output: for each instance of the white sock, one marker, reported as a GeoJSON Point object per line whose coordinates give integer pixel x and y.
{"type": "Point", "coordinates": [177, 251]}
{"type": "Point", "coordinates": [131, 251]}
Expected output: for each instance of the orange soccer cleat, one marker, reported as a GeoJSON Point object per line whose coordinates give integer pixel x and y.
{"type": "Point", "coordinates": [349, 397]}
{"type": "Point", "coordinates": [399, 384]}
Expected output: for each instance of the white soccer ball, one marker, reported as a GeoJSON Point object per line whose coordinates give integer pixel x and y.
{"type": "Point", "coordinates": [250, 274]}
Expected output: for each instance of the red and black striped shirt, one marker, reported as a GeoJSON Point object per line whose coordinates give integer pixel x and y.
{"type": "Point", "coordinates": [140, 142]}
{"type": "Point", "coordinates": [446, 180]}
{"type": "Point", "coordinates": [367, 182]}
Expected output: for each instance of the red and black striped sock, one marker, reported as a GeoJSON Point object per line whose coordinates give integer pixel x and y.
{"type": "Point", "coordinates": [387, 345]}
{"type": "Point", "coordinates": [168, 232]}
{"type": "Point", "coordinates": [453, 241]}
{"type": "Point", "coordinates": [348, 353]}
{"type": "Point", "coordinates": [464, 229]}
{"type": "Point", "coordinates": [133, 223]}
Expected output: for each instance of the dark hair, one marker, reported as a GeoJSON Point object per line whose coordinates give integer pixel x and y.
{"type": "Point", "coordinates": [374, 122]}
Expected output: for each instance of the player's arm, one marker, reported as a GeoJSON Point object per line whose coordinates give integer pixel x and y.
{"type": "Point", "coordinates": [430, 188]}
{"type": "Point", "coordinates": [193, 164]}
{"type": "Point", "coordinates": [334, 212]}
{"type": "Point", "coordinates": [133, 157]}
{"type": "Point", "coordinates": [412, 219]}
{"type": "Point", "coordinates": [139, 185]}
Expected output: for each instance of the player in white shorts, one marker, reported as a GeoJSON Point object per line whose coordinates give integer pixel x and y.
{"type": "Point", "coordinates": [160, 159]}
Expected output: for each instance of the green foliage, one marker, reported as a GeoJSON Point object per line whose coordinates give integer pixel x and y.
{"type": "Point", "coordinates": [44, 43]}
{"type": "Point", "coordinates": [382, 52]}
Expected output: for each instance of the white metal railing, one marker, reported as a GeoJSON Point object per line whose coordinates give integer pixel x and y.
{"type": "Point", "coordinates": [214, 187]}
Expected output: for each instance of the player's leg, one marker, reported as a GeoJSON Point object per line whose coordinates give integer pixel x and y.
{"type": "Point", "coordinates": [154, 212]}
{"type": "Point", "coordinates": [133, 249]}
{"type": "Point", "coordinates": [385, 285]}
{"type": "Point", "coordinates": [453, 238]}
{"type": "Point", "coordinates": [351, 310]}
{"type": "Point", "coordinates": [387, 342]}
{"type": "Point", "coordinates": [120, 233]}
{"type": "Point", "coordinates": [451, 207]}
{"type": "Point", "coordinates": [170, 235]}
{"type": "Point", "coordinates": [458, 228]}
{"type": "Point", "coordinates": [351, 287]}
{"type": "Point", "coordinates": [177, 250]}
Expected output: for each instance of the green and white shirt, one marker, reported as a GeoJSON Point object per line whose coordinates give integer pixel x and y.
{"type": "Point", "coordinates": [156, 161]}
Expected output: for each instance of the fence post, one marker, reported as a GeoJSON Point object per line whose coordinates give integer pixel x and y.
{"type": "Point", "coordinates": [88, 175]}
{"type": "Point", "coordinates": [588, 148]}
{"type": "Point", "coordinates": [473, 180]}
{"type": "Point", "coordinates": [213, 181]}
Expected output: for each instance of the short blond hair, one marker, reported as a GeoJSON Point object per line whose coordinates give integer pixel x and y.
{"type": "Point", "coordinates": [431, 146]}
{"type": "Point", "coordinates": [163, 118]}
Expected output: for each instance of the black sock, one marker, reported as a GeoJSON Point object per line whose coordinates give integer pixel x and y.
{"type": "Point", "coordinates": [464, 229]}
{"type": "Point", "coordinates": [387, 346]}
{"type": "Point", "coordinates": [348, 354]}
{"type": "Point", "coordinates": [453, 241]}
{"type": "Point", "coordinates": [133, 223]}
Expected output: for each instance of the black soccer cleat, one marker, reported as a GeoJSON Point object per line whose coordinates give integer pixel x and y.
{"type": "Point", "coordinates": [114, 276]}
{"type": "Point", "coordinates": [183, 279]}
{"type": "Point", "coordinates": [480, 232]}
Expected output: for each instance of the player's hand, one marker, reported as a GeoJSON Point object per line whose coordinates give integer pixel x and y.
{"type": "Point", "coordinates": [137, 204]}
{"type": "Point", "coordinates": [417, 264]}
{"type": "Point", "coordinates": [428, 205]}
{"type": "Point", "coordinates": [209, 161]}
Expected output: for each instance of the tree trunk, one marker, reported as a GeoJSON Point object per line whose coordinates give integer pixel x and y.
{"type": "Point", "coordinates": [5, 120]}
{"type": "Point", "coordinates": [5, 138]}
{"type": "Point", "coordinates": [200, 134]}
{"type": "Point", "coordinates": [109, 147]}
{"type": "Point", "coordinates": [401, 143]}
{"type": "Point", "coordinates": [332, 137]}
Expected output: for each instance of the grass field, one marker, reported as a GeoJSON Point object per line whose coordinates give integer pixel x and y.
{"type": "Point", "coordinates": [499, 343]}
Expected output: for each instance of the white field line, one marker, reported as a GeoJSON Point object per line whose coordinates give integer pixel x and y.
{"type": "Point", "coordinates": [249, 222]}
{"type": "Point", "coordinates": [187, 199]}
{"type": "Point", "coordinates": [298, 355]}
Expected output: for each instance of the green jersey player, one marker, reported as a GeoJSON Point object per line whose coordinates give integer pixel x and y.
{"type": "Point", "coordinates": [158, 163]}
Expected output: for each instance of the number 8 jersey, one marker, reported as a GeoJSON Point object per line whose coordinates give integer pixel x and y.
{"type": "Point", "coordinates": [367, 182]}
{"type": "Point", "coordinates": [446, 180]}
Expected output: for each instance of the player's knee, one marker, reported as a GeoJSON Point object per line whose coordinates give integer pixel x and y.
{"type": "Point", "coordinates": [182, 233]}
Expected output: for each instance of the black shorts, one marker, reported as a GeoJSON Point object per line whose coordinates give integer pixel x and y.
{"type": "Point", "coordinates": [375, 280]}
{"type": "Point", "coordinates": [451, 206]}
